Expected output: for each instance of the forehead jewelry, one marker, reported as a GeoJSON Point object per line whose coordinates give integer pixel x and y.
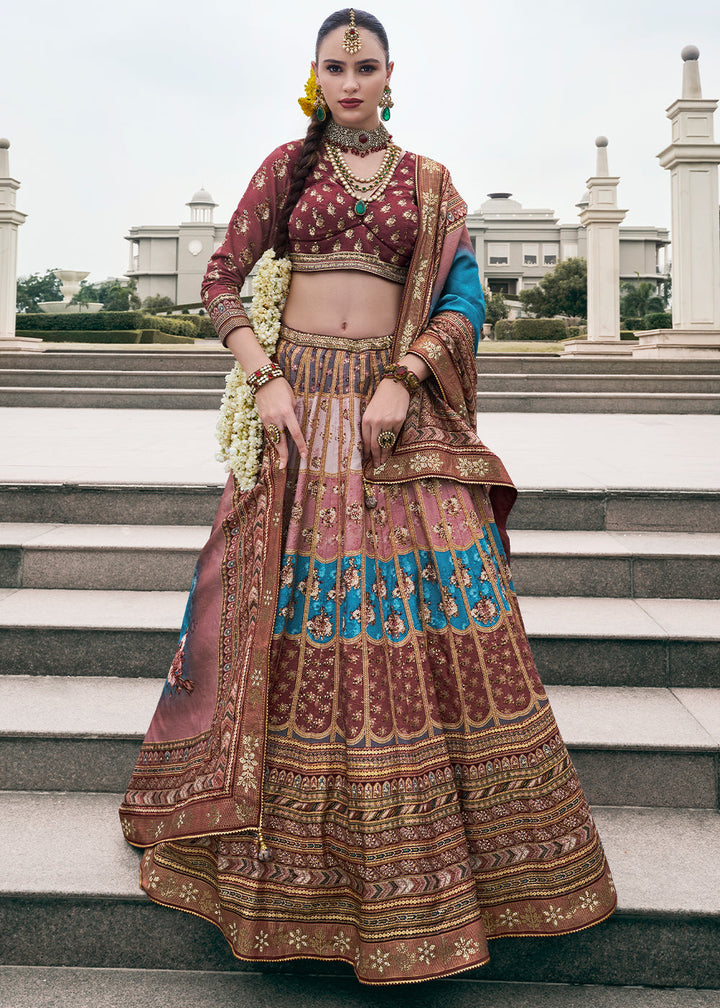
{"type": "Point", "coordinates": [351, 38]}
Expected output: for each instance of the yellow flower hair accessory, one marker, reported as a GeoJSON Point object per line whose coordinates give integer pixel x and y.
{"type": "Point", "coordinates": [307, 102]}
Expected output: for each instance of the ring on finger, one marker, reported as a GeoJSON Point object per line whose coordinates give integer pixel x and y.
{"type": "Point", "coordinates": [386, 438]}
{"type": "Point", "coordinates": [273, 433]}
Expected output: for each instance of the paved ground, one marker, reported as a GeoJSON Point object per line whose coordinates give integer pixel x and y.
{"type": "Point", "coordinates": [573, 451]}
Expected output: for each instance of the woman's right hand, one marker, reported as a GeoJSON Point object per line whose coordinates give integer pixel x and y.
{"type": "Point", "coordinates": [275, 403]}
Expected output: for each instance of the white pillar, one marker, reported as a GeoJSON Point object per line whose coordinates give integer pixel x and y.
{"type": "Point", "coordinates": [692, 160]}
{"type": "Point", "coordinates": [601, 218]}
{"type": "Point", "coordinates": [10, 221]}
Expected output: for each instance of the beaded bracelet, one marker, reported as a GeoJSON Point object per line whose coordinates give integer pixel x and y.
{"type": "Point", "coordinates": [262, 376]}
{"type": "Point", "coordinates": [402, 374]}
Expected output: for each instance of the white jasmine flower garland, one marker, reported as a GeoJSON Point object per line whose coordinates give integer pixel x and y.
{"type": "Point", "coordinates": [239, 430]}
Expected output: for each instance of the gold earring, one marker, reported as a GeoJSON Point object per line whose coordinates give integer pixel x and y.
{"type": "Point", "coordinates": [320, 104]}
{"type": "Point", "coordinates": [386, 103]}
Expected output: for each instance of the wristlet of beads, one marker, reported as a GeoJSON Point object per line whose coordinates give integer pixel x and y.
{"type": "Point", "coordinates": [262, 376]}
{"type": "Point", "coordinates": [402, 374]}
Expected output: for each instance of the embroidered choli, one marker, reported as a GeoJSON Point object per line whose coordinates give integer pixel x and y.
{"type": "Point", "coordinates": [325, 231]}
{"type": "Point", "coordinates": [327, 234]}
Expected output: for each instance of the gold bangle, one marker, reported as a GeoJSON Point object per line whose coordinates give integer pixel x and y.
{"type": "Point", "coordinates": [403, 375]}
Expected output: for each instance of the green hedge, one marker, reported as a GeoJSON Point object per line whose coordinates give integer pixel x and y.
{"type": "Point", "coordinates": [632, 323]}
{"type": "Point", "coordinates": [502, 330]}
{"type": "Point", "coordinates": [530, 329]}
{"type": "Point", "coordinates": [204, 329]}
{"type": "Point", "coordinates": [107, 336]}
{"type": "Point", "coordinates": [658, 320]}
{"type": "Point", "coordinates": [102, 321]}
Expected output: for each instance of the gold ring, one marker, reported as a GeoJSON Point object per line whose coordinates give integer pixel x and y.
{"type": "Point", "coordinates": [386, 438]}
{"type": "Point", "coordinates": [273, 433]}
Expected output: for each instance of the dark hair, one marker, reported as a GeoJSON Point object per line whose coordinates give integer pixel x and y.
{"type": "Point", "coordinates": [310, 152]}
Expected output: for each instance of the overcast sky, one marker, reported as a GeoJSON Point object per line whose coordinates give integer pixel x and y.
{"type": "Point", "coordinates": [118, 112]}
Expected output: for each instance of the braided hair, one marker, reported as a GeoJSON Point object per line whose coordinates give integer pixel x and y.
{"type": "Point", "coordinates": [310, 153]}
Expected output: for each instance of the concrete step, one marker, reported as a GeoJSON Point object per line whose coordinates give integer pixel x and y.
{"type": "Point", "coordinates": [519, 401]}
{"type": "Point", "coordinates": [642, 747]}
{"type": "Point", "coordinates": [147, 558]}
{"type": "Point", "coordinates": [560, 381]}
{"type": "Point", "coordinates": [70, 897]}
{"type": "Point", "coordinates": [616, 564]}
{"type": "Point", "coordinates": [210, 355]}
{"type": "Point", "coordinates": [555, 509]}
{"type": "Point", "coordinates": [118, 398]}
{"type": "Point", "coordinates": [136, 504]}
{"type": "Point", "coordinates": [576, 641]}
{"type": "Point", "coordinates": [58, 986]}
{"type": "Point", "coordinates": [198, 357]}
{"type": "Point", "coordinates": [123, 557]}
{"type": "Point", "coordinates": [524, 382]}
{"type": "Point", "coordinates": [558, 364]}
{"type": "Point", "coordinates": [509, 401]}
{"type": "Point", "coordinates": [56, 378]}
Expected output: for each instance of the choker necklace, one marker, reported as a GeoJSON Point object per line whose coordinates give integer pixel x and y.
{"type": "Point", "coordinates": [353, 141]}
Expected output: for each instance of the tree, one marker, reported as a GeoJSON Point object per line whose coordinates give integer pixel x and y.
{"type": "Point", "coordinates": [495, 307]}
{"type": "Point", "coordinates": [33, 289]}
{"type": "Point", "coordinates": [563, 291]}
{"type": "Point", "coordinates": [638, 300]}
{"type": "Point", "coordinates": [112, 294]}
{"type": "Point", "coordinates": [121, 297]}
{"type": "Point", "coordinates": [154, 304]}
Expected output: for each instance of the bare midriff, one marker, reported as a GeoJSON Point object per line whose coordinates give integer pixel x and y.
{"type": "Point", "coordinates": [345, 303]}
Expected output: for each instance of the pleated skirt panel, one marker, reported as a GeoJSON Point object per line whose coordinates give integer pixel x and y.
{"type": "Point", "coordinates": [418, 798]}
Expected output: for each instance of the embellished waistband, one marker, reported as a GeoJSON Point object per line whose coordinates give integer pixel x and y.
{"type": "Point", "coordinates": [335, 342]}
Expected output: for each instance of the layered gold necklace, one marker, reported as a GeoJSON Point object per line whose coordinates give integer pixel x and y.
{"type": "Point", "coordinates": [364, 189]}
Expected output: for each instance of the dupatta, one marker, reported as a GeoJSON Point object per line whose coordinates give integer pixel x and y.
{"type": "Point", "coordinates": [440, 319]}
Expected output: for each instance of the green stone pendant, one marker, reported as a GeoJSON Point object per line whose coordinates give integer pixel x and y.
{"type": "Point", "coordinates": [360, 207]}
{"type": "Point", "coordinates": [385, 114]}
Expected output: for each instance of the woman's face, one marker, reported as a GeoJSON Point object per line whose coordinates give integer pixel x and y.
{"type": "Point", "coordinates": [352, 82]}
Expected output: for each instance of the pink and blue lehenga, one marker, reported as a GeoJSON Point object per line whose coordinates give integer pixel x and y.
{"type": "Point", "coordinates": [353, 757]}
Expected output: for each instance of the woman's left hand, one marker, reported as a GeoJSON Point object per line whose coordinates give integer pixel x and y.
{"type": "Point", "coordinates": [386, 411]}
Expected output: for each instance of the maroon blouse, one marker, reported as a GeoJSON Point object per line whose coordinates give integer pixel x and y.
{"type": "Point", "coordinates": [325, 231]}
{"type": "Point", "coordinates": [327, 234]}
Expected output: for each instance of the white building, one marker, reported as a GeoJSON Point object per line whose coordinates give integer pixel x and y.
{"type": "Point", "coordinates": [171, 260]}
{"type": "Point", "coordinates": [515, 248]}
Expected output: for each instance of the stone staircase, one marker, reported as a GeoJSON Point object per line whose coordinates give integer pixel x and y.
{"type": "Point", "coordinates": [621, 598]}
{"type": "Point", "coordinates": [620, 592]}
{"type": "Point", "coordinates": [193, 378]}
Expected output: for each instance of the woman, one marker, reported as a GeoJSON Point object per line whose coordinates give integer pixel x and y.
{"type": "Point", "coordinates": [353, 757]}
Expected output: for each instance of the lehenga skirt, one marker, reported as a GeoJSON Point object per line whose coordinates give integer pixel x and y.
{"type": "Point", "coordinates": [418, 799]}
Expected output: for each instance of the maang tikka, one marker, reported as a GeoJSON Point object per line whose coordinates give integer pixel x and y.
{"type": "Point", "coordinates": [351, 38]}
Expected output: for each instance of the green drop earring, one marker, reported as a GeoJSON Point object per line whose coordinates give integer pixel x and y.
{"type": "Point", "coordinates": [386, 103]}
{"type": "Point", "coordinates": [320, 105]}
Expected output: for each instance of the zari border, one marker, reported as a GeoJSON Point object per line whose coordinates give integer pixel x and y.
{"type": "Point", "coordinates": [477, 945]}
{"type": "Point", "coordinates": [365, 262]}
{"type": "Point", "coordinates": [322, 342]}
